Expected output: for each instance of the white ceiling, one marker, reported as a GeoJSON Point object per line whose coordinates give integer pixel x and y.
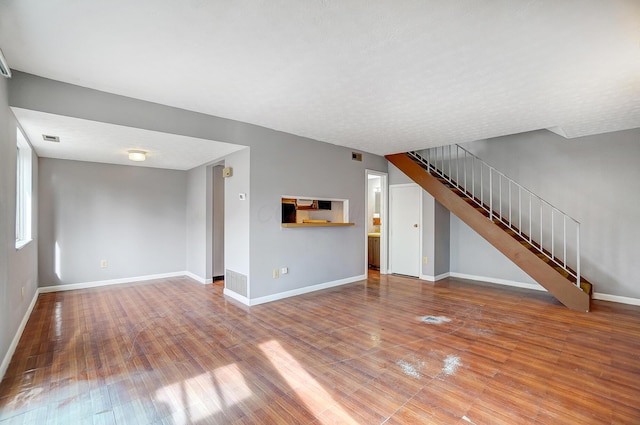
{"type": "Point", "coordinates": [383, 76]}
{"type": "Point", "coordinates": [92, 141]}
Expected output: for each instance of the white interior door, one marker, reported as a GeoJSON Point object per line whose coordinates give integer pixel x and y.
{"type": "Point", "coordinates": [405, 205]}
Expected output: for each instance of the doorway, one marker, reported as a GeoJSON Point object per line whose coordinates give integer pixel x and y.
{"type": "Point", "coordinates": [405, 241]}
{"type": "Point", "coordinates": [376, 220]}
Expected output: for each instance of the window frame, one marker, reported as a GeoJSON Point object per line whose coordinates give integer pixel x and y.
{"type": "Point", "coordinates": [24, 190]}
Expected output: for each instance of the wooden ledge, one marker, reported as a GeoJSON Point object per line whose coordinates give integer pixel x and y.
{"type": "Point", "coordinates": [316, 224]}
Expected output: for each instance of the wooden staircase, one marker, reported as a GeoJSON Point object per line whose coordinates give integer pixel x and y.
{"type": "Point", "coordinates": [521, 250]}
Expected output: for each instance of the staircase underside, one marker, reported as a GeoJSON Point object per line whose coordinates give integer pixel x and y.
{"type": "Point", "coordinates": [520, 251]}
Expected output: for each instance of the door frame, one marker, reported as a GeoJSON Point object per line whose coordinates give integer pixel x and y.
{"type": "Point", "coordinates": [420, 225]}
{"type": "Point", "coordinates": [384, 222]}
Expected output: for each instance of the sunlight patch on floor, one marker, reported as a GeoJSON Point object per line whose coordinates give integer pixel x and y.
{"type": "Point", "coordinates": [197, 398]}
{"type": "Point", "coordinates": [307, 389]}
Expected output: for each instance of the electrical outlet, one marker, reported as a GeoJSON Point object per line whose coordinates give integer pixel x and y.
{"type": "Point", "coordinates": [103, 264]}
{"type": "Point", "coordinates": [284, 270]}
{"type": "Point", "coordinates": [424, 260]}
{"type": "Point", "coordinates": [275, 273]}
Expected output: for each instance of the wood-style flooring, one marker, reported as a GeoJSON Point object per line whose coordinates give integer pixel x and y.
{"type": "Point", "coordinates": [388, 350]}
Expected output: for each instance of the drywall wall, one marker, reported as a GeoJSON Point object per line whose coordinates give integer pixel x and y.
{"type": "Point", "coordinates": [196, 224]}
{"type": "Point", "coordinates": [18, 268]}
{"type": "Point", "coordinates": [428, 235]}
{"type": "Point", "coordinates": [217, 234]}
{"type": "Point", "coordinates": [284, 164]}
{"type": "Point", "coordinates": [593, 179]}
{"type": "Point", "coordinates": [279, 163]}
{"type": "Point", "coordinates": [133, 217]}
{"type": "Point", "coordinates": [435, 237]}
{"type": "Point", "coordinates": [442, 240]}
{"type": "Point", "coordinates": [396, 176]}
{"type": "Point", "coordinates": [237, 213]}
{"type": "Point", "coordinates": [472, 255]}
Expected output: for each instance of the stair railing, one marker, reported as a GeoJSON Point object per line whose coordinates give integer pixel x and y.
{"type": "Point", "coordinates": [550, 231]}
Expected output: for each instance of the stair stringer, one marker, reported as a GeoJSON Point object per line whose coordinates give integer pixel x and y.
{"type": "Point", "coordinates": [565, 291]}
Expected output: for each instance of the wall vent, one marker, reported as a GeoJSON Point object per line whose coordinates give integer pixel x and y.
{"type": "Point", "coordinates": [236, 282]}
{"type": "Point", "coordinates": [48, 138]}
{"type": "Point", "coordinates": [356, 156]}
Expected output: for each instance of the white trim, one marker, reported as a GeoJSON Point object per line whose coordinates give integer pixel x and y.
{"type": "Point", "coordinates": [294, 292]}
{"type": "Point", "coordinates": [505, 282]}
{"type": "Point", "coordinates": [534, 286]}
{"type": "Point", "coordinates": [434, 278]}
{"type": "Point", "coordinates": [198, 278]}
{"type": "Point", "coordinates": [14, 344]}
{"type": "Point", "coordinates": [94, 284]}
{"type": "Point", "coordinates": [22, 243]}
{"type": "Point", "coordinates": [616, 298]}
{"type": "Point", "coordinates": [241, 298]}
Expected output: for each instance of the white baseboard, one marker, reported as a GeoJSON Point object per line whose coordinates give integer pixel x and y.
{"type": "Point", "coordinates": [198, 278]}
{"type": "Point", "coordinates": [434, 278]}
{"type": "Point", "coordinates": [240, 298]}
{"type": "Point", "coordinates": [14, 344]}
{"type": "Point", "coordinates": [616, 298]}
{"type": "Point", "coordinates": [505, 282]}
{"type": "Point", "coordinates": [94, 284]}
{"type": "Point", "coordinates": [596, 295]}
{"type": "Point", "coordinates": [294, 292]}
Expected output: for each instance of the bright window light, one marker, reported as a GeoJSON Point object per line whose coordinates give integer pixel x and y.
{"type": "Point", "coordinates": [318, 401]}
{"type": "Point", "coordinates": [205, 395]}
{"type": "Point", "coordinates": [23, 191]}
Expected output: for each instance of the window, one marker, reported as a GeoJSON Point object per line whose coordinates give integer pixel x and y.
{"type": "Point", "coordinates": [23, 191]}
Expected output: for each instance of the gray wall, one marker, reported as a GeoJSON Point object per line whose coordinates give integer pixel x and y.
{"type": "Point", "coordinates": [471, 254]}
{"type": "Point", "coordinates": [442, 240]}
{"type": "Point", "coordinates": [278, 163]}
{"type": "Point", "coordinates": [133, 217]}
{"type": "Point", "coordinates": [18, 268]}
{"type": "Point", "coordinates": [397, 177]}
{"type": "Point", "coordinates": [435, 236]}
{"type": "Point", "coordinates": [196, 224]}
{"type": "Point", "coordinates": [217, 234]}
{"type": "Point", "coordinates": [594, 179]}
{"type": "Point", "coordinates": [283, 164]}
{"type": "Point", "coordinates": [237, 213]}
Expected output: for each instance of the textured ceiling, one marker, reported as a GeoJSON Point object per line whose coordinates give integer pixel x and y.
{"type": "Point", "coordinates": [91, 141]}
{"type": "Point", "coordinates": [383, 76]}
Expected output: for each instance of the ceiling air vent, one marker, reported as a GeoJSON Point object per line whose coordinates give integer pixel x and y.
{"type": "Point", "coordinates": [54, 139]}
{"type": "Point", "coordinates": [4, 67]}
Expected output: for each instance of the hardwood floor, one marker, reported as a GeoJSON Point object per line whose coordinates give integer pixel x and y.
{"type": "Point", "coordinates": [390, 350]}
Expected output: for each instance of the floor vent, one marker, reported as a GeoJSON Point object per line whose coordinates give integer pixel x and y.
{"type": "Point", "coordinates": [236, 282]}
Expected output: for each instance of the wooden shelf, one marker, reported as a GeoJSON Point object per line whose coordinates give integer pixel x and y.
{"type": "Point", "coordinates": [316, 224]}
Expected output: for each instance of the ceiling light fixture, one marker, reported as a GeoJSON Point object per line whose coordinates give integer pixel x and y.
{"type": "Point", "coordinates": [137, 156]}
{"type": "Point", "coordinates": [4, 66]}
